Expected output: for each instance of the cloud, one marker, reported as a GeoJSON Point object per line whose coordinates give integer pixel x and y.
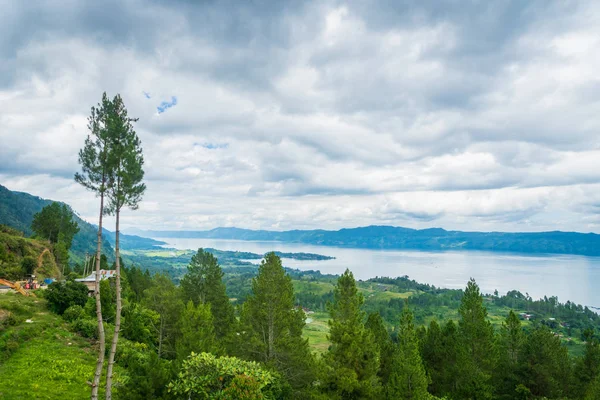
{"type": "Point", "coordinates": [166, 105]}
{"type": "Point", "coordinates": [316, 114]}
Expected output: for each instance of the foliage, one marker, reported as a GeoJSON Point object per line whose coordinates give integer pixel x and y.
{"type": "Point", "coordinates": [203, 284]}
{"type": "Point", "coordinates": [477, 351]}
{"type": "Point", "coordinates": [196, 331]}
{"type": "Point", "coordinates": [546, 364]}
{"type": "Point", "coordinates": [146, 375]}
{"type": "Point", "coordinates": [55, 223]}
{"type": "Point", "coordinates": [408, 379]}
{"type": "Point", "coordinates": [28, 264]}
{"type": "Point", "coordinates": [204, 376]}
{"type": "Point", "coordinates": [73, 313]}
{"type": "Point", "coordinates": [62, 295]}
{"type": "Point", "coordinates": [353, 359]}
{"type": "Point", "coordinates": [272, 326]}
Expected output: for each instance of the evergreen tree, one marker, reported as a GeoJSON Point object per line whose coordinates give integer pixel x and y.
{"type": "Point", "coordinates": [164, 299]}
{"type": "Point", "coordinates": [53, 221]}
{"type": "Point", "coordinates": [56, 224]}
{"type": "Point", "coordinates": [408, 379]}
{"type": "Point", "coordinates": [477, 351]}
{"type": "Point", "coordinates": [125, 189]}
{"type": "Point", "coordinates": [96, 169]}
{"type": "Point", "coordinates": [384, 343]}
{"type": "Point", "coordinates": [272, 326]}
{"type": "Point", "coordinates": [432, 354]}
{"type": "Point", "coordinates": [510, 346]}
{"type": "Point", "coordinates": [588, 367]}
{"type": "Point", "coordinates": [449, 370]}
{"type": "Point", "coordinates": [546, 366]}
{"type": "Point", "coordinates": [352, 361]}
{"type": "Point", "coordinates": [203, 284]}
{"type": "Point", "coordinates": [196, 331]}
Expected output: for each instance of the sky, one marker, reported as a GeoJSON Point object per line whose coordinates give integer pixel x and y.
{"type": "Point", "coordinates": [469, 115]}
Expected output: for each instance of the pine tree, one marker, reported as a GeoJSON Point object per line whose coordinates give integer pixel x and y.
{"type": "Point", "coordinates": [352, 361]}
{"type": "Point", "coordinates": [510, 346]}
{"type": "Point", "coordinates": [196, 331]}
{"type": "Point", "coordinates": [203, 284]}
{"type": "Point", "coordinates": [449, 370]}
{"type": "Point", "coordinates": [408, 379]}
{"type": "Point", "coordinates": [272, 326]}
{"type": "Point", "coordinates": [477, 351]}
{"type": "Point", "coordinates": [384, 343]}
{"type": "Point", "coordinates": [587, 368]}
{"type": "Point", "coordinates": [164, 298]}
{"type": "Point", "coordinates": [432, 354]}
{"type": "Point", "coordinates": [125, 189]}
{"type": "Point", "coordinates": [97, 168]}
{"type": "Point", "coordinates": [546, 366]}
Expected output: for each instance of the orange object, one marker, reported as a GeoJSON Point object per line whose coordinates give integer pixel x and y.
{"type": "Point", "coordinates": [16, 287]}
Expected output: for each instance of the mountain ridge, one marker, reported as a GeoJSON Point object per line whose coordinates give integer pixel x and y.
{"type": "Point", "coordinates": [401, 238]}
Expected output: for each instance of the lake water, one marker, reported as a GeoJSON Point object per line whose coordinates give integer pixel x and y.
{"type": "Point", "coordinates": [574, 278]}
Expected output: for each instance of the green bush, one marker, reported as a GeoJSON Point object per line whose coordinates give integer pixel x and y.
{"type": "Point", "coordinates": [62, 295]}
{"type": "Point", "coordinates": [28, 265]}
{"type": "Point", "coordinates": [86, 327]}
{"type": "Point", "coordinates": [206, 376]}
{"type": "Point", "coordinates": [73, 313]}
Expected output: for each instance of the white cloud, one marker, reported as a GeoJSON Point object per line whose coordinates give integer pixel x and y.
{"type": "Point", "coordinates": [318, 116]}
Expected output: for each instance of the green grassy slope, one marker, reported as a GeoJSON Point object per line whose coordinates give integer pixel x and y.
{"type": "Point", "coordinates": [40, 358]}
{"type": "Point", "coordinates": [17, 210]}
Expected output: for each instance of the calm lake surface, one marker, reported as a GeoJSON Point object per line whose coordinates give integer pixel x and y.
{"type": "Point", "coordinates": [574, 278]}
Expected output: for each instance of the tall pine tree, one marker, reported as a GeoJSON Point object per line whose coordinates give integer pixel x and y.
{"type": "Point", "coordinates": [408, 379]}
{"type": "Point", "coordinates": [477, 350]}
{"type": "Point", "coordinates": [352, 361]}
{"type": "Point", "coordinates": [203, 284]}
{"type": "Point", "coordinates": [96, 169]}
{"type": "Point", "coordinates": [587, 368]}
{"type": "Point", "coordinates": [272, 326]}
{"type": "Point", "coordinates": [125, 189]}
{"type": "Point", "coordinates": [510, 348]}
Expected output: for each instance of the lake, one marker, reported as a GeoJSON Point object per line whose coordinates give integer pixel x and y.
{"type": "Point", "coordinates": [569, 277]}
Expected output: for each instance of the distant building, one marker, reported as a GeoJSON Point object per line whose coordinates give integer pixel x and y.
{"type": "Point", "coordinates": [525, 316]}
{"type": "Point", "coordinates": [90, 281]}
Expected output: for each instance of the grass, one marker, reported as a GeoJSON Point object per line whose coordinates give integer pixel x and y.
{"type": "Point", "coordinates": [317, 287]}
{"type": "Point", "coordinates": [41, 359]}
{"type": "Point", "coordinates": [316, 331]}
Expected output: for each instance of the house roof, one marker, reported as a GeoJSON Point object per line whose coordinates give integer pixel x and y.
{"type": "Point", "coordinates": [104, 274]}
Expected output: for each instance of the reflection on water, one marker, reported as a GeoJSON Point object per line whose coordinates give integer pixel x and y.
{"type": "Point", "coordinates": [566, 276]}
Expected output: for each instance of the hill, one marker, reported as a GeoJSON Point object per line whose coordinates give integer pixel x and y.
{"type": "Point", "coordinates": [17, 210]}
{"type": "Point", "coordinates": [14, 248]}
{"type": "Point", "coordinates": [396, 238]}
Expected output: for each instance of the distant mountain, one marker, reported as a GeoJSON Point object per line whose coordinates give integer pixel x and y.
{"type": "Point", "coordinates": [390, 237]}
{"type": "Point", "coordinates": [17, 210]}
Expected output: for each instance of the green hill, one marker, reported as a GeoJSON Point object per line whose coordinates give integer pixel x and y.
{"type": "Point", "coordinates": [15, 248]}
{"type": "Point", "coordinates": [17, 210]}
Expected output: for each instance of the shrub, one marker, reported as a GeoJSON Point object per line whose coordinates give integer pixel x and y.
{"type": "Point", "coordinates": [73, 313]}
{"type": "Point", "coordinates": [28, 264]}
{"type": "Point", "coordinates": [206, 376]}
{"type": "Point", "coordinates": [62, 295]}
{"type": "Point", "coordinates": [86, 327]}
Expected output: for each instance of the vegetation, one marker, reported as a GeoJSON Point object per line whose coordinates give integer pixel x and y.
{"type": "Point", "coordinates": [55, 223]}
{"type": "Point", "coordinates": [170, 348]}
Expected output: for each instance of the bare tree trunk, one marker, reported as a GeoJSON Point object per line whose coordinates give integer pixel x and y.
{"type": "Point", "coordinates": [101, 339]}
{"type": "Point", "coordinates": [115, 340]}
